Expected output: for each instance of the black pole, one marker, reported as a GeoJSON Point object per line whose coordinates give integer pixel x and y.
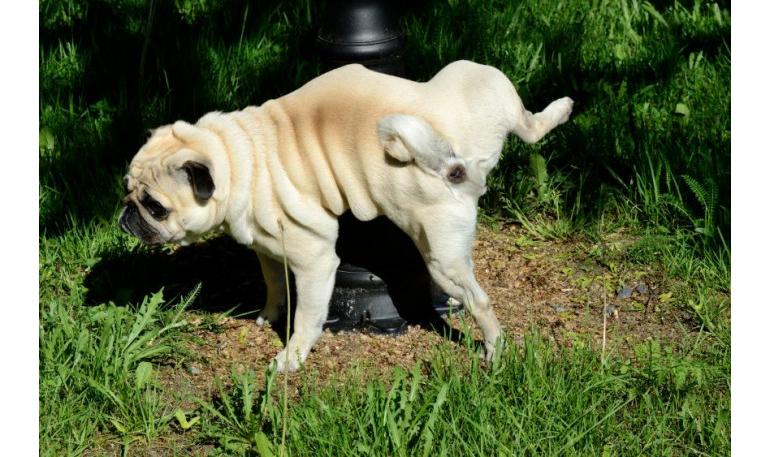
{"type": "Point", "coordinates": [362, 31]}
{"type": "Point", "coordinates": [382, 283]}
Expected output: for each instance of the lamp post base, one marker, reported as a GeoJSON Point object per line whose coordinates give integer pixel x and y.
{"type": "Point", "coordinates": [383, 283]}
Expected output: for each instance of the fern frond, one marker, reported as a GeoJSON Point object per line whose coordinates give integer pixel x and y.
{"type": "Point", "coordinates": [713, 196]}
{"type": "Point", "coordinates": [697, 189]}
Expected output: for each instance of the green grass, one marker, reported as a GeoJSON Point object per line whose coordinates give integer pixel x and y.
{"type": "Point", "coordinates": [94, 360]}
{"type": "Point", "coordinates": [646, 153]}
{"type": "Point", "coordinates": [96, 372]}
{"type": "Point", "coordinates": [536, 400]}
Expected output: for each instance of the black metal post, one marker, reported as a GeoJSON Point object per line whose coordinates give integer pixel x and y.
{"type": "Point", "coordinates": [362, 31]}
{"type": "Point", "coordinates": [382, 283]}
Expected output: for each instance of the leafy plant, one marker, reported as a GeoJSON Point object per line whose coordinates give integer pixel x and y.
{"type": "Point", "coordinates": [238, 420]}
{"type": "Point", "coordinates": [100, 360]}
{"type": "Point", "coordinates": [707, 197]}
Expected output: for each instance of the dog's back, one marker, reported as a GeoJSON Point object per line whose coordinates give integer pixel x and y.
{"type": "Point", "coordinates": [462, 116]}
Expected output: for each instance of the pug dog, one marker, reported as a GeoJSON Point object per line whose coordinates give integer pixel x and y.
{"type": "Point", "coordinates": [276, 177]}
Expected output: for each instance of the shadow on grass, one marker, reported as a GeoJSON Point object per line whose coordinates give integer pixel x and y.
{"type": "Point", "coordinates": [229, 273]}
{"type": "Point", "coordinates": [231, 277]}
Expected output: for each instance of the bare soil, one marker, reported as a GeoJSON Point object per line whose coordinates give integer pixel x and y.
{"type": "Point", "coordinates": [570, 291]}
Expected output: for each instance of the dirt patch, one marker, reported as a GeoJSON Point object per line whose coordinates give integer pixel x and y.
{"type": "Point", "coordinates": [164, 446]}
{"type": "Point", "coordinates": [563, 289]}
{"type": "Point", "coordinates": [566, 289]}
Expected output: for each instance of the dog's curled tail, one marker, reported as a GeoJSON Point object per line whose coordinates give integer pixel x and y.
{"type": "Point", "coordinates": [408, 138]}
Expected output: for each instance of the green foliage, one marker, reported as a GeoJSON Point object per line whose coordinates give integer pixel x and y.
{"type": "Point", "coordinates": [62, 69]}
{"type": "Point", "coordinates": [61, 13]}
{"type": "Point", "coordinates": [93, 366]}
{"type": "Point", "coordinates": [625, 38]}
{"type": "Point", "coordinates": [192, 10]}
{"type": "Point", "coordinates": [238, 420]}
{"type": "Point", "coordinates": [539, 174]}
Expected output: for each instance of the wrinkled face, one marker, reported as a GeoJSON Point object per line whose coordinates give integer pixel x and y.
{"type": "Point", "coordinates": [169, 191]}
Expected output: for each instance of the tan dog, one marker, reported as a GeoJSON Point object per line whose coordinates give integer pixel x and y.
{"type": "Point", "coordinates": [351, 139]}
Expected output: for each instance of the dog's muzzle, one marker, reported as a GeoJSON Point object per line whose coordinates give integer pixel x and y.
{"type": "Point", "coordinates": [131, 222]}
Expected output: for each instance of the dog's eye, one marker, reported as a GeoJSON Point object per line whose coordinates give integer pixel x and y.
{"type": "Point", "coordinates": [156, 210]}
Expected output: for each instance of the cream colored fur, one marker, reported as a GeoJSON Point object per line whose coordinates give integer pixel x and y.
{"type": "Point", "coordinates": [351, 139]}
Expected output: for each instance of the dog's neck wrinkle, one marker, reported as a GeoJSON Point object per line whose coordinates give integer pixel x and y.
{"type": "Point", "coordinates": [260, 143]}
{"type": "Point", "coordinates": [224, 197]}
{"type": "Point", "coordinates": [261, 202]}
{"type": "Point", "coordinates": [282, 148]}
{"type": "Point", "coordinates": [237, 146]}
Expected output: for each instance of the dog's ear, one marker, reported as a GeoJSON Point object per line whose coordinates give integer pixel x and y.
{"type": "Point", "coordinates": [200, 179]}
{"type": "Point", "coordinates": [406, 138]}
{"type": "Point", "coordinates": [184, 131]}
{"type": "Point", "coordinates": [193, 163]}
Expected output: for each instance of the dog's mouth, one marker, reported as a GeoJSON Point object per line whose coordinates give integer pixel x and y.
{"type": "Point", "coordinates": [132, 223]}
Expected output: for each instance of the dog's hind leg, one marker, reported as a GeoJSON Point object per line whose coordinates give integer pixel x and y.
{"type": "Point", "coordinates": [272, 271]}
{"type": "Point", "coordinates": [532, 127]}
{"type": "Point", "coordinates": [445, 244]}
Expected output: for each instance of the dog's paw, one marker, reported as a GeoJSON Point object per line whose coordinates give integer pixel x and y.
{"type": "Point", "coordinates": [493, 350]}
{"type": "Point", "coordinates": [263, 322]}
{"type": "Point", "coordinates": [286, 362]}
{"type": "Point", "coordinates": [562, 109]}
{"type": "Point", "coordinates": [267, 317]}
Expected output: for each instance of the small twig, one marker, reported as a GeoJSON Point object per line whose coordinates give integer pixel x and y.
{"type": "Point", "coordinates": [286, 349]}
{"type": "Point", "coordinates": [604, 327]}
{"type": "Point", "coordinates": [147, 30]}
{"type": "Point", "coordinates": [647, 303]}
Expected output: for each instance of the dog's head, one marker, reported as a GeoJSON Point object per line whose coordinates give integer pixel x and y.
{"type": "Point", "coordinates": [174, 193]}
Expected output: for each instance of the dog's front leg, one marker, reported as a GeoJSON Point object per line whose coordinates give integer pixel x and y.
{"type": "Point", "coordinates": [315, 282]}
{"type": "Point", "coordinates": [275, 280]}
